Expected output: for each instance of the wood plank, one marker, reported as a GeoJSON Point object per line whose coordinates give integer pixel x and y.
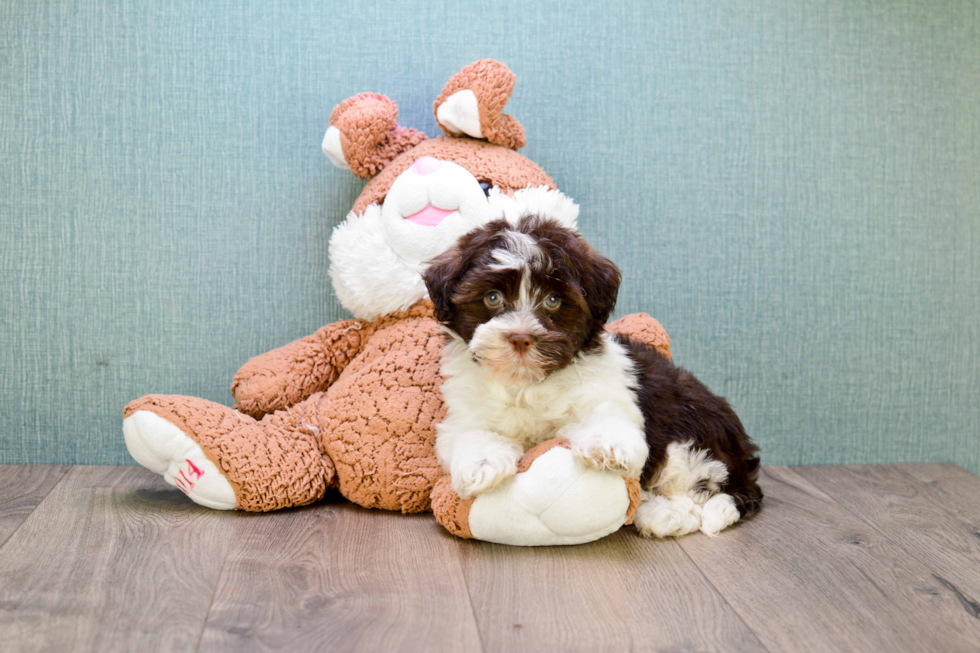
{"type": "Point", "coordinates": [22, 488]}
{"type": "Point", "coordinates": [620, 593]}
{"type": "Point", "coordinates": [806, 575]}
{"type": "Point", "coordinates": [958, 489]}
{"type": "Point", "coordinates": [337, 577]}
{"type": "Point", "coordinates": [114, 559]}
{"type": "Point", "coordinates": [918, 517]}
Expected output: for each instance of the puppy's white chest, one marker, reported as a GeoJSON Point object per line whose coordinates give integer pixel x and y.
{"type": "Point", "coordinates": [532, 414]}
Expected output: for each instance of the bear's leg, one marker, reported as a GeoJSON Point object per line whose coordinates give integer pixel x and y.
{"type": "Point", "coordinates": [223, 459]}
{"type": "Point", "coordinates": [554, 499]}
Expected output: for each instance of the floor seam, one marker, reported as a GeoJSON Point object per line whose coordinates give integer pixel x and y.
{"type": "Point", "coordinates": [724, 598]}
{"type": "Point", "coordinates": [214, 593]}
{"type": "Point", "coordinates": [68, 471]}
{"type": "Point", "coordinates": [469, 595]}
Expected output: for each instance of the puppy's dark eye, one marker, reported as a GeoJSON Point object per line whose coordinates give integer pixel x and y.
{"type": "Point", "coordinates": [493, 299]}
{"type": "Point", "coordinates": [486, 186]}
{"type": "Point", "coordinates": [552, 302]}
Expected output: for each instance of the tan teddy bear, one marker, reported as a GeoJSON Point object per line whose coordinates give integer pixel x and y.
{"type": "Point", "coordinates": [354, 405]}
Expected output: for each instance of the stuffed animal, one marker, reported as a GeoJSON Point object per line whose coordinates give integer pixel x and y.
{"type": "Point", "coordinates": [354, 405]}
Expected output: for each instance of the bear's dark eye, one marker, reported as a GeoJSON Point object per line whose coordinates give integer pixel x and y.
{"type": "Point", "coordinates": [486, 186]}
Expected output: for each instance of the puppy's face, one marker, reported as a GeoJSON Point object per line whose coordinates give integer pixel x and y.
{"type": "Point", "coordinates": [525, 299]}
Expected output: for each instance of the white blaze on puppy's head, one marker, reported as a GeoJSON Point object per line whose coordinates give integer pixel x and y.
{"type": "Point", "coordinates": [526, 298]}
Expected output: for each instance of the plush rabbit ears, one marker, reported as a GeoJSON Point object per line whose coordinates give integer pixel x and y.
{"type": "Point", "coordinates": [364, 135]}
{"type": "Point", "coordinates": [472, 101]}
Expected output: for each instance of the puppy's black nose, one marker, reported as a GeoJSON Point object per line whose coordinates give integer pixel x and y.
{"type": "Point", "coordinates": [521, 342]}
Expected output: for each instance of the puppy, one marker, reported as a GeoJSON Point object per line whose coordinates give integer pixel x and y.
{"type": "Point", "coordinates": [529, 359]}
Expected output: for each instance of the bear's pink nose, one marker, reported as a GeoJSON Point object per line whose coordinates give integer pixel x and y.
{"type": "Point", "coordinates": [427, 165]}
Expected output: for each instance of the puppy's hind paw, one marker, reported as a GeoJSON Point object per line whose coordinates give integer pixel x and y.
{"type": "Point", "coordinates": [719, 513]}
{"type": "Point", "coordinates": [660, 516]}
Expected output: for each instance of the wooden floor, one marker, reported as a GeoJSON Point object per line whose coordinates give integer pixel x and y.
{"type": "Point", "coordinates": [858, 558]}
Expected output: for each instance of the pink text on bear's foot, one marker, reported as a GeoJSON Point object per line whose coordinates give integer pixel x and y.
{"type": "Point", "coordinates": [186, 478]}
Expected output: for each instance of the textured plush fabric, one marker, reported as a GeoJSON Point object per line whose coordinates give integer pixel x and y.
{"type": "Point", "coordinates": [266, 472]}
{"type": "Point", "coordinates": [353, 406]}
{"type": "Point", "coordinates": [503, 168]}
{"type": "Point", "coordinates": [378, 420]}
{"type": "Point", "coordinates": [370, 134]}
{"type": "Point", "coordinates": [493, 84]}
{"type": "Point", "coordinates": [790, 187]}
{"type": "Point", "coordinates": [450, 510]}
{"type": "Point", "coordinates": [286, 375]}
{"type": "Point", "coordinates": [644, 328]}
{"type": "Point", "coordinates": [371, 433]}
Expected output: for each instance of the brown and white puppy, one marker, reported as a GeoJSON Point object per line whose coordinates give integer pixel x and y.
{"type": "Point", "coordinates": [529, 359]}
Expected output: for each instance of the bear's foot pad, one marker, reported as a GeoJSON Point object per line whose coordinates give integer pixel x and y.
{"type": "Point", "coordinates": [163, 448]}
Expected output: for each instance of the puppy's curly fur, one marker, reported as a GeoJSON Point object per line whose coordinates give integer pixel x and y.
{"type": "Point", "coordinates": [529, 358]}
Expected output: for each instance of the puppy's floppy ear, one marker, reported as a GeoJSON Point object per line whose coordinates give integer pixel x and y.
{"type": "Point", "coordinates": [442, 277]}
{"type": "Point", "coordinates": [446, 271]}
{"type": "Point", "coordinates": [600, 281]}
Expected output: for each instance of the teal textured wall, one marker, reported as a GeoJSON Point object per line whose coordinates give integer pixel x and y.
{"type": "Point", "coordinates": [792, 187]}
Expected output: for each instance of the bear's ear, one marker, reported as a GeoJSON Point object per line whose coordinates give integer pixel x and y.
{"type": "Point", "coordinates": [364, 134]}
{"type": "Point", "coordinates": [471, 103]}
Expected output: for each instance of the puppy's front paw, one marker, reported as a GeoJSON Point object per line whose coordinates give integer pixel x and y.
{"type": "Point", "coordinates": [600, 453]}
{"type": "Point", "coordinates": [477, 475]}
{"type": "Point", "coordinates": [611, 444]}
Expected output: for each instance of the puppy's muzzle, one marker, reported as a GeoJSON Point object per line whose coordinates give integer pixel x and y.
{"type": "Point", "coordinates": [521, 342]}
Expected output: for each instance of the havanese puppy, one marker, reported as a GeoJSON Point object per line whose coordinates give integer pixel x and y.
{"type": "Point", "coordinates": [529, 359]}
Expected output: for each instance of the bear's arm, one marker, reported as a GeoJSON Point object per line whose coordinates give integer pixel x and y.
{"type": "Point", "coordinates": [642, 328]}
{"type": "Point", "coordinates": [285, 376]}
